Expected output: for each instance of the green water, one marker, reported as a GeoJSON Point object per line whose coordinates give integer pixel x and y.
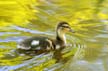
{"type": "Point", "coordinates": [89, 50]}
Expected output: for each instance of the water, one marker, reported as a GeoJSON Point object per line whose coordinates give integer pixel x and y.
{"type": "Point", "coordinates": [89, 50]}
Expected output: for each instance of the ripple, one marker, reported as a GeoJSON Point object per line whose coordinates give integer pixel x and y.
{"type": "Point", "coordinates": [7, 33]}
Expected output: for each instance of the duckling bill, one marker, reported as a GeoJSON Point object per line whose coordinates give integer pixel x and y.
{"type": "Point", "coordinates": [46, 43]}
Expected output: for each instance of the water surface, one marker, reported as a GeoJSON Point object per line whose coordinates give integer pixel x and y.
{"type": "Point", "coordinates": [89, 50]}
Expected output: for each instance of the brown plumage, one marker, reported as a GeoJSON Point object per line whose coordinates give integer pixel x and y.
{"type": "Point", "coordinates": [46, 43]}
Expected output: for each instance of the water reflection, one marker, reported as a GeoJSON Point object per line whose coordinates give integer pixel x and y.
{"type": "Point", "coordinates": [89, 50]}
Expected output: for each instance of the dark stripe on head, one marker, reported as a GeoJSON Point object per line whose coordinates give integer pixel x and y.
{"type": "Point", "coordinates": [62, 24]}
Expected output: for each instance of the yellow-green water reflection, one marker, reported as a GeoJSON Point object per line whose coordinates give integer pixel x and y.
{"type": "Point", "coordinates": [89, 50]}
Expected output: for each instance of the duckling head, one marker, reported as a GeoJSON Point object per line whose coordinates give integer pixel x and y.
{"type": "Point", "coordinates": [64, 27]}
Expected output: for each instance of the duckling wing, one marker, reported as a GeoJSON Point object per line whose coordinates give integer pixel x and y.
{"type": "Point", "coordinates": [36, 43]}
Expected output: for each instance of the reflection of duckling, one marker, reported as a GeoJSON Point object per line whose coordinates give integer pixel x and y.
{"type": "Point", "coordinates": [45, 43]}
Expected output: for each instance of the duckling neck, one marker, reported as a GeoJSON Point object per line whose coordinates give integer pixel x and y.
{"type": "Point", "coordinates": [60, 37]}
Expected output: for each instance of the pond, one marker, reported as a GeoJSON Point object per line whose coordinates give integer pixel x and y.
{"type": "Point", "coordinates": [89, 50]}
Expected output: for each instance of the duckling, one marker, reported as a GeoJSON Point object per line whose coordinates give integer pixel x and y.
{"type": "Point", "coordinates": [46, 43]}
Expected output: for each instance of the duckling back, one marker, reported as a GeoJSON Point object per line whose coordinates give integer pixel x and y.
{"type": "Point", "coordinates": [37, 43]}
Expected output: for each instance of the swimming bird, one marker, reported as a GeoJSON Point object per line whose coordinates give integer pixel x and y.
{"type": "Point", "coordinates": [46, 43]}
